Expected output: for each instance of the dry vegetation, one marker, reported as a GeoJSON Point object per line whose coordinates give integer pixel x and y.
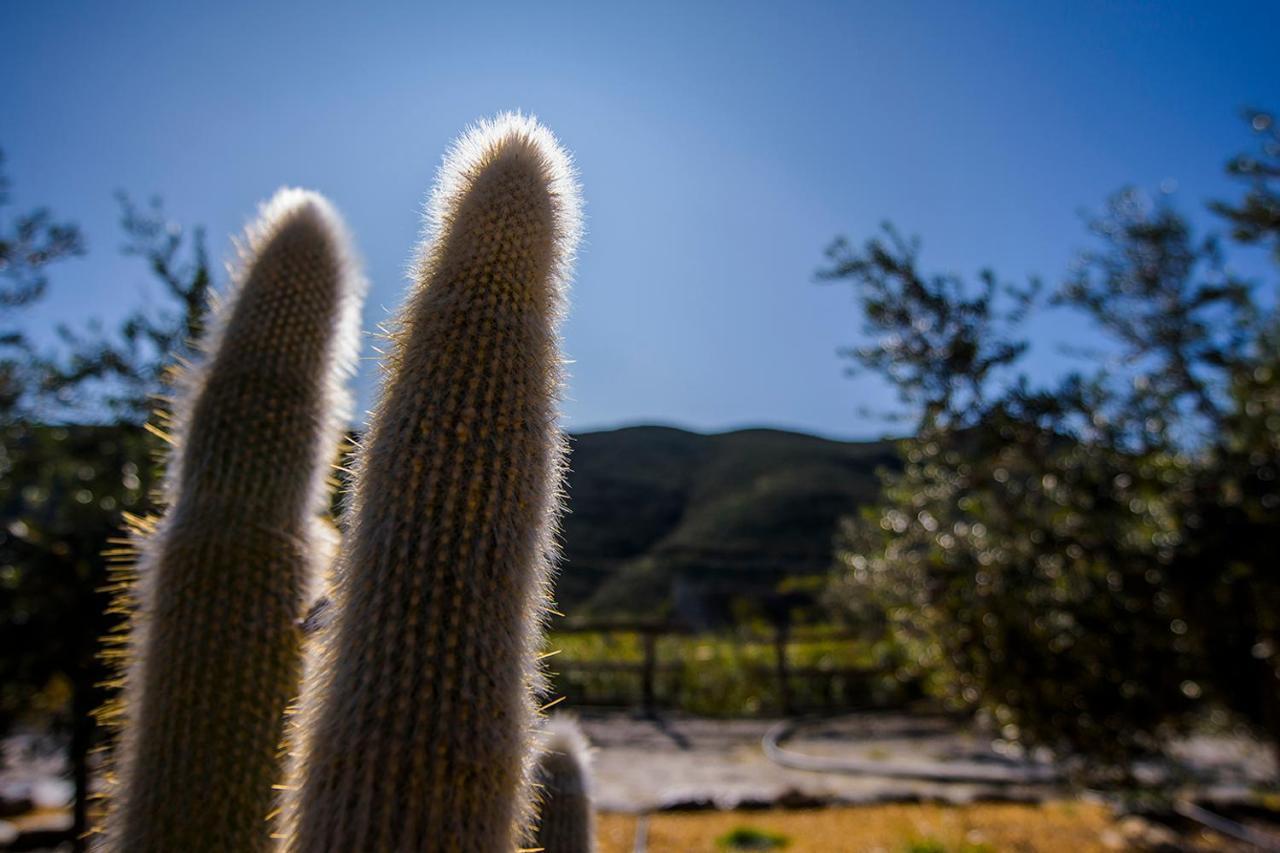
{"type": "Point", "coordinates": [1056, 827]}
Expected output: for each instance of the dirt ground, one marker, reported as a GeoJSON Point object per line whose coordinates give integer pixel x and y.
{"type": "Point", "coordinates": [1053, 827]}
{"type": "Point", "coordinates": [646, 764]}
{"type": "Point", "coordinates": [675, 778]}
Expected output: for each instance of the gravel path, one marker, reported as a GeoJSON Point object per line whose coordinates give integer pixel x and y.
{"type": "Point", "coordinates": [643, 764]}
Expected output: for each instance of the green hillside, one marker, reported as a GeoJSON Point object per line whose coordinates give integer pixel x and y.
{"type": "Point", "coordinates": [662, 521]}
{"type": "Point", "coordinates": [666, 521]}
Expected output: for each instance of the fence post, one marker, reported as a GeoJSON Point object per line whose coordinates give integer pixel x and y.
{"type": "Point", "coordinates": [780, 640]}
{"type": "Point", "coordinates": [649, 638]}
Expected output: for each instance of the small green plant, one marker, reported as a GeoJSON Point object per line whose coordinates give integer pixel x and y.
{"type": "Point", "coordinates": [751, 838]}
{"type": "Point", "coordinates": [926, 845]}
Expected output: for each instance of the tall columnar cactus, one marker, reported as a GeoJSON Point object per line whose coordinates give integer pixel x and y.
{"type": "Point", "coordinates": [562, 781]}
{"type": "Point", "coordinates": [213, 649]}
{"type": "Point", "coordinates": [417, 730]}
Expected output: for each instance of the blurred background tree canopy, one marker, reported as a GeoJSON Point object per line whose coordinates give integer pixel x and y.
{"type": "Point", "coordinates": [1090, 564]}
{"type": "Point", "coordinates": [75, 460]}
{"type": "Point", "coordinates": [29, 243]}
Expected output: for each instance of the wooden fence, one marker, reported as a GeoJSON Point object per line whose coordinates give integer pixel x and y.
{"type": "Point", "coordinates": [656, 681]}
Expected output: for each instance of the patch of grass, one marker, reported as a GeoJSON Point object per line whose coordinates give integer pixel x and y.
{"type": "Point", "coordinates": [744, 838]}
{"type": "Point", "coordinates": [927, 845]}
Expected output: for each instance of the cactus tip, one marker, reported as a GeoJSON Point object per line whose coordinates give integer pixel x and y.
{"type": "Point", "coordinates": [515, 142]}
{"type": "Point", "coordinates": [563, 740]}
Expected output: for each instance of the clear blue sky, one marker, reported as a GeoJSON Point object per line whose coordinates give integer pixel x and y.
{"type": "Point", "coordinates": [721, 147]}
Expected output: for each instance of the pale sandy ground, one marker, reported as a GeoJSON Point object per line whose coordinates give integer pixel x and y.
{"type": "Point", "coordinates": [645, 764]}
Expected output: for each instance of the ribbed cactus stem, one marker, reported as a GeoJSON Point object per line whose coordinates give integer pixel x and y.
{"type": "Point", "coordinates": [417, 730]}
{"type": "Point", "coordinates": [213, 652]}
{"type": "Point", "coordinates": [562, 782]}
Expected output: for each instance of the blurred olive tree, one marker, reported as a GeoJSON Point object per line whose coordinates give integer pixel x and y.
{"type": "Point", "coordinates": [74, 459]}
{"type": "Point", "coordinates": [1091, 565]}
{"type": "Point", "coordinates": [29, 244]}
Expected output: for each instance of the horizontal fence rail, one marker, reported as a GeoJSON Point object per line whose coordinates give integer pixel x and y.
{"type": "Point", "coordinates": [653, 666]}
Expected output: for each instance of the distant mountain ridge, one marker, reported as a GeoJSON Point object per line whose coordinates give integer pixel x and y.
{"type": "Point", "coordinates": [668, 522]}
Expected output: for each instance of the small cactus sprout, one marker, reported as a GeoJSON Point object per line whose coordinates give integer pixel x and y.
{"type": "Point", "coordinates": [212, 654]}
{"type": "Point", "coordinates": [419, 717]}
{"type": "Point", "coordinates": [562, 785]}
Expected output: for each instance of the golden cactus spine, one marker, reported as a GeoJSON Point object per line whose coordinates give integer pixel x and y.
{"type": "Point", "coordinates": [417, 729]}
{"type": "Point", "coordinates": [212, 653]}
{"type": "Point", "coordinates": [562, 781]}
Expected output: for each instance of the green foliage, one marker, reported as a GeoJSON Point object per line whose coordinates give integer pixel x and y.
{"type": "Point", "coordinates": [1089, 562]}
{"type": "Point", "coordinates": [926, 845]}
{"type": "Point", "coordinates": [1256, 218]}
{"type": "Point", "coordinates": [28, 245]}
{"type": "Point", "coordinates": [63, 491]}
{"type": "Point", "coordinates": [1179, 321]}
{"type": "Point", "coordinates": [722, 675]}
{"type": "Point", "coordinates": [1231, 524]}
{"type": "Point", "coordinates": [937, 340]}
{"type": "Point", "coordinates": [1019, 576]}
{"type": "Point", "coordinates": [122, 375]}
{"type": "Point", "coordinates": [742, 838]}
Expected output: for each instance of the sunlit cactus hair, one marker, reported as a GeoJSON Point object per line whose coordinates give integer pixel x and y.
{"type": "Point", "coordinates": [417, 723]}
{"type": "Point", "coordinates": [211, 654]}
{"type": "Point", "coordinates": [562, 786]}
